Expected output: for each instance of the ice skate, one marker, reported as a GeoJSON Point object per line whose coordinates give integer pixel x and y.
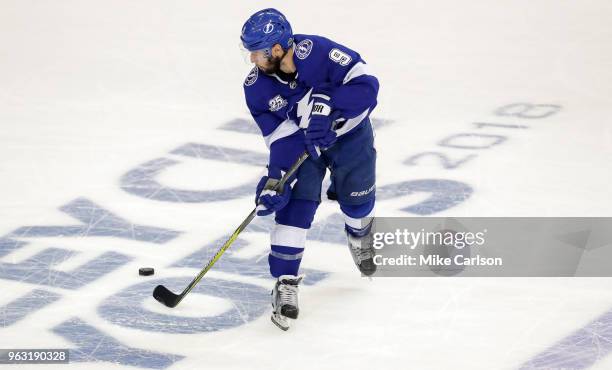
{"type": "Point", "coordinates": [285, 300]}
{"type": "Point", "coordinates": [363, 252]}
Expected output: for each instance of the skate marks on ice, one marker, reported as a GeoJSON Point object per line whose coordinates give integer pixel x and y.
{"type": "Point", "coordinates": [458, 149]}
{"type": "Point", "coordinates": [579, 350]}
{"type": "Point", "coordinates": [126, 308]}
{"type": "Point", "coordinates": [248, 301]}
{"type": "Point", "coordinates": [91, 343]}
{"type": "Point", "coordinates": [141, 181]}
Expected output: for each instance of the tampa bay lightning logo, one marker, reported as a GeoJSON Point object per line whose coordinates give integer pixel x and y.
{"type": "Point", "coordinates": [303, 49]}
{"type": "Point", "coordinates": [269, 27]}
{"type": "Point", "coordinates": [292, 84]}
{"type": "Point", "coordinates": [251, 77]}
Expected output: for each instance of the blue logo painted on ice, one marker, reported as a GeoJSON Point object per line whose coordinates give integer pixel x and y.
{"type": "Point", "coordinates": [125, 307]}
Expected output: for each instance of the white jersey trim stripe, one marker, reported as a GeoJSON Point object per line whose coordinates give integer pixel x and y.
{"type": "Point", "coordinates": [280, 79]}
{"type": "Point", "coordinates": [352, 123]}
{"type": "Point", "coordinates": [321, 96]}
{"type": "Point", "coordinates": [286, 128]}
{"type": "Point", "coordinates": [359, 69]}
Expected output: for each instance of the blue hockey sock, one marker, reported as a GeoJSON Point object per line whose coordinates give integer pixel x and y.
{"type": "Point", "coordinates": [358, 218]}
{"type": "Point", "coordinates": [284, 260]}
{"type": "Point", "coordinates": [287, 247]}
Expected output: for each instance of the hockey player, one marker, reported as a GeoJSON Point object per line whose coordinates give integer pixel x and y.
{"type": "Point", "coordinates": [307, 92]}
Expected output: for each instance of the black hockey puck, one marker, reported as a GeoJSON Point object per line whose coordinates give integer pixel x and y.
{"type": "Point", "coordinates": [146, 271]}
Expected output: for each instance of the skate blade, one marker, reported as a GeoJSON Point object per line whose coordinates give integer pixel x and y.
{"type": "Point", "coordinates": [281, 321]}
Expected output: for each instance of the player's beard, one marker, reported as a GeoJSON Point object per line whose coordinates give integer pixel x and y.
{"type": "Point", "coordinates": [273, 66]}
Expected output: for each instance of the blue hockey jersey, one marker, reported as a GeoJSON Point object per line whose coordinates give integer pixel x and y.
{"type": "Point", "coordinates": [282, 108]}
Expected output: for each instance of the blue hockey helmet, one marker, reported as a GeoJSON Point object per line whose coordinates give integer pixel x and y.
{"type": "Point", "coordinates": [265, 29]}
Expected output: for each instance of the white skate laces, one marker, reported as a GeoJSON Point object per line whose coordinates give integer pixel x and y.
{"type": "Point", "coordinates": [288, 295]}
{"type": "Point", "coordinates": [285, 300]}
{"type": "Point", "coordinates": [359, 251]}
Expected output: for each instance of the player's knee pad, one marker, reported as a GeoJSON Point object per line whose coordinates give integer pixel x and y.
{"type": "Point", "coordinates": [359, 210]}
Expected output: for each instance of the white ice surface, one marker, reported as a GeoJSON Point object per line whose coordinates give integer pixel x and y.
{"type": "Point", "coordinates": [91, 89]}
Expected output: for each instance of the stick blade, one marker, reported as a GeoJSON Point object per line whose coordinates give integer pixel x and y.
{"type": "Point", "coordinates": [165, 296]}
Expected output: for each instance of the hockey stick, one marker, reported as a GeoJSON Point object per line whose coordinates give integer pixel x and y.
{"type": "Point", "coordinates": [169, 299]}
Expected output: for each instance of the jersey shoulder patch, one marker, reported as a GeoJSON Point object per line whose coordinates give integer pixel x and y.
{"type": "Point", "coordinates": [303, 49]}
{"type": "Point", "coordinates": [251, 77]}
